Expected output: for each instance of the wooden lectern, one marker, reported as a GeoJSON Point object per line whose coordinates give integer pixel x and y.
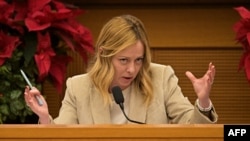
{"type": "Point", "coordinates": [130, 132]}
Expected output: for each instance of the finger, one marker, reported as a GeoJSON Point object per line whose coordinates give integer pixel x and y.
{"type": "Point", "coordinates": [190, 76]}
{"type": "Point", "coordinates": [209, 78]}
{"type": "Point", "coordinates": [40, 98]}
{"type": "Point", "coordinates": [27, 99]}
{"type": "Point", "coordinates": [26, 89]}
{"type": "Point", "coordinates": [26, 94]}
{"type": "Point", "coordinates": [29, 96]}
{"type": "Point", "coordinates": [211, 72]}
{"type": "Point", "coordinates": [210, 65]}
{"type": "Point", "coordinates": [36, 93]}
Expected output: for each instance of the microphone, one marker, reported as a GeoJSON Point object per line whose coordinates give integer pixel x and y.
{"type": "Point", "coordinates": [119, 99]}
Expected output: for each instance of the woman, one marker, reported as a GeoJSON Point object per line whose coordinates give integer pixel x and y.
{"type": "Point", "coordinates": [150, 90]}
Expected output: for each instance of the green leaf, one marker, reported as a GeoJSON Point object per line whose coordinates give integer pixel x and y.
{"type": "Point", "coordinates": [16, 56]}
{"type": "Point", "coordinates": [2, 118]}
{"type": "Point", "coordinates": [4, 86]}
{"type": "Point", "coordinates": [16, 106]}
{"type": "Point", "coordinates": [15, 94]}
{"type": "Point", "coordinates": [1, 121]}
{"type": "Point", "coordinates": [4, 109]}
{"type": "Point", "coordinates": [4, 69]}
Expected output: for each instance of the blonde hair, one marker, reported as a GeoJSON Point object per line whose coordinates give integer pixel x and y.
{"type": "Point", "coordinates": [116, 35]}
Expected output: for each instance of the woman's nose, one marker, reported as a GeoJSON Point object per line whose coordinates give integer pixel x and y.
{"type": "Point", "coordinates": [131, 67]}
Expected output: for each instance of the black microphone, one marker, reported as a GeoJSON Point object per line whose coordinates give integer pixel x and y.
{"type": "Point", "coordinates": [119, 99]}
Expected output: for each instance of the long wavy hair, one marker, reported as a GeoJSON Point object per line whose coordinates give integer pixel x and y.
{"type": "Point", "coordinates": [116, 35]}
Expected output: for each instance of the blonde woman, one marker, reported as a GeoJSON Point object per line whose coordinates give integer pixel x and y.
{"type": "Point", "coordinates": [151, 91]}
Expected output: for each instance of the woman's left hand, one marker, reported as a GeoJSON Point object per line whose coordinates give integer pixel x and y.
{"type": "Point", "coordinates": [202, 86]}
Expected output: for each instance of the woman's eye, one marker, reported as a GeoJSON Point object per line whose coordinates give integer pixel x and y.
{"type": "Point", "coordinates": [123, 60]}
{"type": "Point", "coordinates": [139, 60]}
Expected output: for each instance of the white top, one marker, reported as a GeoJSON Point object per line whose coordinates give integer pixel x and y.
{"type": "Point", "coordinates": [116, 115]}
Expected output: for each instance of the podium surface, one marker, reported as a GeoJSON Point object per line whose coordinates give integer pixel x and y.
{"type": "Point", "coordinates": [128, 132]}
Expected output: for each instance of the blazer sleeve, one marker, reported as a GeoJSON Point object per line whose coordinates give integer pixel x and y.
{"type": "Point", "coordinates": [178, 107]}
{"type": "Point", "coordinates": [68, 110]}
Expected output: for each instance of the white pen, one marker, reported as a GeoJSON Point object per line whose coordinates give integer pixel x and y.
{"type": "Point", "coordinates": [40, 102]}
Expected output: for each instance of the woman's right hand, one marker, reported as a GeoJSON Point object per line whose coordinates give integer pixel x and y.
{"type": "Point", "coordinates": [31, 101]}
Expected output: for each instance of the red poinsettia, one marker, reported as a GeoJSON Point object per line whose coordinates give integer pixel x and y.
{"type": "Point", "coordinates": [45, 29]}
{"type": "Point", "coordinates": [7, 45]}
{"type": "Point", "coordinates": [242, 29]}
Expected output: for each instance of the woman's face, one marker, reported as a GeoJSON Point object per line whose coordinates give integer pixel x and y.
{"type": "Point", "coordinates": [127, 64]}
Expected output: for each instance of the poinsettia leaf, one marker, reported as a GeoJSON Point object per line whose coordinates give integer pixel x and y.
{"type": "Point", "coordinates": [244, 13]}
{"type": "Point", "coordinates": [30, 47]}
{"type": "Point", "coordinates": [23, 23]}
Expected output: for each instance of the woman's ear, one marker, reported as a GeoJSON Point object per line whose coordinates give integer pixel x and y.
{"type": "Point", "coordinates": [100, 50]}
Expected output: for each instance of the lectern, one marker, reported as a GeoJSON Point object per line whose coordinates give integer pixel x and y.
{"type": "Point", "coordinates": [128, 132]}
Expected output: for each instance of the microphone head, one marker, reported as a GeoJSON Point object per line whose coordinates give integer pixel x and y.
{"type": "Point", "coordinates": [117, 93]}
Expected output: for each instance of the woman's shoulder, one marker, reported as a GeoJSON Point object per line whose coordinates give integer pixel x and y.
{"type": "Point", "coordinates": [79, 77]}
{"type": "Point", "coordinates": [161, 72]}
{"type": "Point", "coordinates": [78, 80]}
{"type": "Point", "coordinates": [79, 85]}
{"type": "Point", "coordinates": [154, 67]}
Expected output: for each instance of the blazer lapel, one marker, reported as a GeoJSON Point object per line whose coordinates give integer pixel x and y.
{"type": "Point", "coordinates": [137, 109]}
{"type": "Point", "coordinates": [100, 111]}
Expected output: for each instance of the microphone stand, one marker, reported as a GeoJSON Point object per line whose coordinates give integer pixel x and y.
{"type": "Point", "coordinates": [122, 108]}
{"type": "Point", "coordinates": [119, 99]}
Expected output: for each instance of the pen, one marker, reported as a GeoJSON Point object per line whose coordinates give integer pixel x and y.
{"type": "Point", "coordinates": [40, 102]}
